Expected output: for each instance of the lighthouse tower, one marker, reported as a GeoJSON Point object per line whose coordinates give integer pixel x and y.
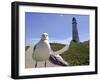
{"type": "Point", "coordinates": [75, 36]}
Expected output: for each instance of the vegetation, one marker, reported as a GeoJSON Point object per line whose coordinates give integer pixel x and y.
{"type": "Point", "coordinates": [78, 54]}
{"type": "Point", "coordinates": [56, 46]}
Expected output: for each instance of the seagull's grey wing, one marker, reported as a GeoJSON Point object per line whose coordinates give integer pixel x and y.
{"type": "Point", "coordinates": [34, 48]}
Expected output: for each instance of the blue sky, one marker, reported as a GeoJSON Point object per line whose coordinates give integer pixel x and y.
{"type": "Point", "coordinates": [58, 27]}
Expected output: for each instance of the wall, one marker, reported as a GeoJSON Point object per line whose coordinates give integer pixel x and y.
{"type": "Point", "coordinates": [5, 40]}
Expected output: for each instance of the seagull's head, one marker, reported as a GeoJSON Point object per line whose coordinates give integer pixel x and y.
{"type": "Point", "coordinates": [44, 36]}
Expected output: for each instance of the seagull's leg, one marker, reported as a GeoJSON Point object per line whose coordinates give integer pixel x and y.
{"type": "Point", "coordinates": [36, 64]}
{"type": "Point", "coordinates": [45, 63]}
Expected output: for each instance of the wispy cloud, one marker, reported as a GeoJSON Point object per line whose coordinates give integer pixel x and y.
{"type": "Point", "coordinates": [32, 41]}
{"type": "Point", "coordinates": [63, 41]}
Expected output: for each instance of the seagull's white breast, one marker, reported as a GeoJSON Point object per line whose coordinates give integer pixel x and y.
{"type": "Point", "coordinates": [42, 51]}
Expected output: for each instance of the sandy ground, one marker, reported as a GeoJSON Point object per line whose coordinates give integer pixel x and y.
{"type": "Point", "coordinates": [30, 63]}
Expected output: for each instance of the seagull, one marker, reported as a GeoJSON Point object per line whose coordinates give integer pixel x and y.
{"type": "Point", "coordinates": [43, 52]}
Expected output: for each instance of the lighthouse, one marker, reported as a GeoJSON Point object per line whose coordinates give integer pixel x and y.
{"type": "Point", "coordinates": [75, 36]}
